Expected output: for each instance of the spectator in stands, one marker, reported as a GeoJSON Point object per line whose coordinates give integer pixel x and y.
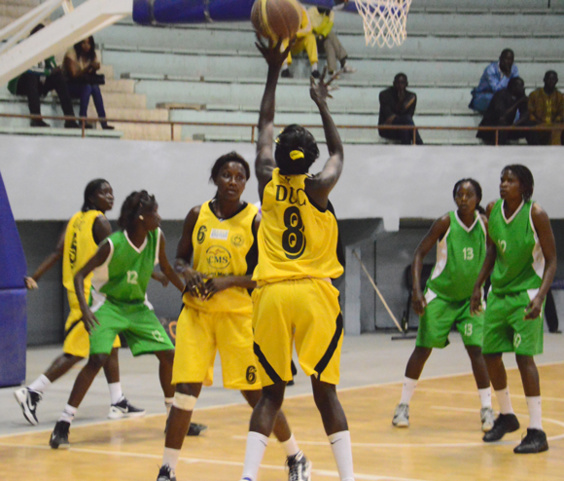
{"type": "Point", "coordinates": [322, 21]}
{"type": "Point", "coordinates": [507, 108]}
{"type": "Point", "coordinates": [80, 66]}
{"type": "Point", "coordinates": [397, 107]}
{"type": "Point", "coordinates": [40, 80]}
{"type": "Point", "coordinates": [305, 40]}
{"type": "Point", "coordinates": [496, 76]}
{"type": "Point", "coordinates": [546, 107]}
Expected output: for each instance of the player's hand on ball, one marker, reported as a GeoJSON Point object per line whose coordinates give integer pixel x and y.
{"type": "Point", "coordinates": [273, 52]}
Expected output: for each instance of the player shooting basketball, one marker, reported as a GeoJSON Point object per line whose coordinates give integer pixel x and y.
{"type": "Point", "coordinates": [294, 297]}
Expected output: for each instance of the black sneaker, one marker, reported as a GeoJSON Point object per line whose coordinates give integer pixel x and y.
{"type": "Point", "coordinates": [299, 467]}
{"type": "Point", "coordinates": [286, 73]}
{"type": "Point", "coordinates": [28, 401]}
{"type": "Point", "coordinates": [71, 124]}
{"type": "Point", "coordinates": [505, 423]}
{"type": "Point", "coordinates": [124, 409]}
{"type": "Point", "coordinates": [315, 73]}
{"type": "Point", "coordinates": [534, 442]}
{"type": "Point", "coordinates": [196, 429]}
{"type": "Point", "coordinates": [60, 436]}
{"type": "Point", "coordinates": [166, 474]}
{"type": "Point", "coordinates": [38, 123]}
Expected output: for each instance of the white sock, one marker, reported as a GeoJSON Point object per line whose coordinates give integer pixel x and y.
{"type": "Point", "coordinates": [68, 413]}
{"type": "Point", "coordinates": [256, 445]}
{"type": "Point", "coordinates": [314, 66]}
{"type": "Point", "coordinates": [485, 397]}
{"type": "Point", "coordinates": [504, 401]}
{"type": "Point", "coordinates": [407, 390]}
{"type": "Point", "coordinates": [535, 412]}
{"type": "Point", "coordinates": [290, 446]}
{"type": "Point", "coordinates": [40, 384]}
{"type": "Point", "coordinates": [342, 452]}
{"type": "Point", "coordinates": [168, 404]}
{"type": "Point", "coordinates": [170, 457]}
{"type": "Point", "coordinates": [116, 394]}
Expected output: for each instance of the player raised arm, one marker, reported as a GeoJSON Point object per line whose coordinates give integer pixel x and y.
{"type": "Point", "coordinates": [320, 185]}
{"type": "Point", "coordinates": [264, 163]}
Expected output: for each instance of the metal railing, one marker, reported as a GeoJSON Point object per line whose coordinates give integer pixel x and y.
{"type": "Point", "coordinates": [556, 128]}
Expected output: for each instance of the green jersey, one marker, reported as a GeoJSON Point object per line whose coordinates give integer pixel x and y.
{"type": "Point", "coordinates": [519, 262]}
{"type": "Point", "coordinates": [124, 276]}
{"type": "Point", "coordinates": [460, 255]}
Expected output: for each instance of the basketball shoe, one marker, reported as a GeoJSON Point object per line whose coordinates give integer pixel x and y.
{"type": "Point", "coordinates": [166, 474]}
{"type": "Point", "coordinates": [487, 418]}
{"type": "Point", "coordinates": [299, 467]}
{"type": "Point", "coordinates": [124, 409]}
{"type": "Point", "coordinates": [401, 416]}
{"type": "Point", "coordinates": [60, 436]}
{"type": "Point", "coordinates": [534, 442]}
{"type": "Point", "coordinates": [28, 401]}
{"type": "Point", "coordinates": [505, 423]}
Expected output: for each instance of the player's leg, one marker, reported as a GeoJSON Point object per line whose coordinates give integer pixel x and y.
{"type": "Point", "coordinates": [28, 397]}
{"type": "Point", "coordinates": [336, 426]}
{"type": "Point", "coordinates": [60, 434]}
{"type": "Point", "coordinates": [434, 327]}
{"type": "Point", "coordinates": [178, 423]}
{"type": "Point", "coordinates": [261, 426]}
{"type": "Point", "coordinates": [530, 336]}
{"type": "Point", "coordinates": [498, 338]}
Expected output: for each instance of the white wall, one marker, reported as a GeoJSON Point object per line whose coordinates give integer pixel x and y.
{"type": "Point", "coordinates": [45, 176]}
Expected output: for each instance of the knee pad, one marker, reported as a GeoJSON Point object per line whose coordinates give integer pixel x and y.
{"type": "Point", "coordinates": [186, 402]}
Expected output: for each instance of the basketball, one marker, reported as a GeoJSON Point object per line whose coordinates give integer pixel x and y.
{"type": "Point", "coordinates": [276, 18]}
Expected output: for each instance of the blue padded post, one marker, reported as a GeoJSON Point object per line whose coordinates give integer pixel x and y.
{"type": "Point", "coordinates": [13, 317]}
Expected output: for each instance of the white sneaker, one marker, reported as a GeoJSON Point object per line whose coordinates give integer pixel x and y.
{"type": "Point", "coordinates": [299, 467]}
{"type": "Point", "coordinates": [28, 401]}
{"type": "Point", "coordinates": [124, 409]}
{"type": "Point", "coordinates": [401, 416]}
{"type": "Point", "coordinates": [348, 69]}
{"type": "Point", "coordinates": [487, 417]}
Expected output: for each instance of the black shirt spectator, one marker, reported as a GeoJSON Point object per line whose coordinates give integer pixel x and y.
{"type": "Point", "coordinates": [397, 107]}
{"type": "Point", "coordinates": [508, 107]}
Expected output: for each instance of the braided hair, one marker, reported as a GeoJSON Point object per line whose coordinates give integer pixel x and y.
{"type": "Point", "coordinates": [134, 205]}
{"type": "Point", "coordinates": [477, 189]}
{"type": "Point", "coordinates": [296, 150]}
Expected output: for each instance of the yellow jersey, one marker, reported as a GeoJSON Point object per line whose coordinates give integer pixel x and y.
{"type": "Point", "coordinates": [79, 247]}
{"type": "Point", "coordinates": [224, 247]}
{"type": "Point", "coordinates": [296, 239]}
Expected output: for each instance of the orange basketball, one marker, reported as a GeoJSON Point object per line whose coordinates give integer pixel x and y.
{"type": "Point", "coordinates": [276, 18]}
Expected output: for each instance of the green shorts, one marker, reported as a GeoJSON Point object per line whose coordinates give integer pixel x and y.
{"type": "Point", "coordinates": [439, 317]}
{"type": "Point", "coordinates": [506, 330]}
{"type": "Point", "coordinates": [138, 323]}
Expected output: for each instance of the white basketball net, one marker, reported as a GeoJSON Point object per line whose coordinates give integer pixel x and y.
{"type": "Point", "coordinates": [384, 21]}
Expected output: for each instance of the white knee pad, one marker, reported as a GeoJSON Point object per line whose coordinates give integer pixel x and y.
{"type": "Point", "coordinates": [185, 402]}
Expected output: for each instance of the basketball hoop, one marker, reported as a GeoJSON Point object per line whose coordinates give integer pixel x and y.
{"type": "Point", "coordinates": [384, 21]}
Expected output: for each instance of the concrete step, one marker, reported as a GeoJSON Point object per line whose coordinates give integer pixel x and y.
{"type": "Point", "coordinates": [14, 11]}
{"type": "Point", "coordinates": [118, 86]}
{"type": "Point", "coordinates": [58, 132]}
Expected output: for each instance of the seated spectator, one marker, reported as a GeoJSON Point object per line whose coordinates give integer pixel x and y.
{"type": "Point", "coordinates": [305, 40]}
{"type": "Point", "coordinates": [495, 77]}
{"type": "Point", "coordinates": [507, 108]}
{"type": "Point", "coordinates": [80, 66]}
{"type": "Point", "coordinates": [546, 107]}
{"type": "Point", "coordinates": [397, 107]}
{"type": "Point", "coordinates": [322, 21]}
{"type": "Point", "coordinates": [38, 82]}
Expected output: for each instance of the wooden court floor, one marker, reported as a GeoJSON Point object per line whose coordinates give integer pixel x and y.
{"type": "Point", "coordinates": [443, 442]}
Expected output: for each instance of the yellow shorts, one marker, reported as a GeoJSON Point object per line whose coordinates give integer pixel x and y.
{"type": "Point", "coordinates": [200, 334]}
{"type": "Point", "coordinates": [77, 339]}
{"type": "Point", "coordinates": [304, 310]}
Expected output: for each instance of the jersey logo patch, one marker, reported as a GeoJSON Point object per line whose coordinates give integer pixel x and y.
{"type": "Point", "coordinates": [218, 257]}
{"type": "Point", "coordinates": [237, 240]}
{"type": "Point", "coordinates": [220, 234]}
{"type": "Point", "coordinates": [251, 375]}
